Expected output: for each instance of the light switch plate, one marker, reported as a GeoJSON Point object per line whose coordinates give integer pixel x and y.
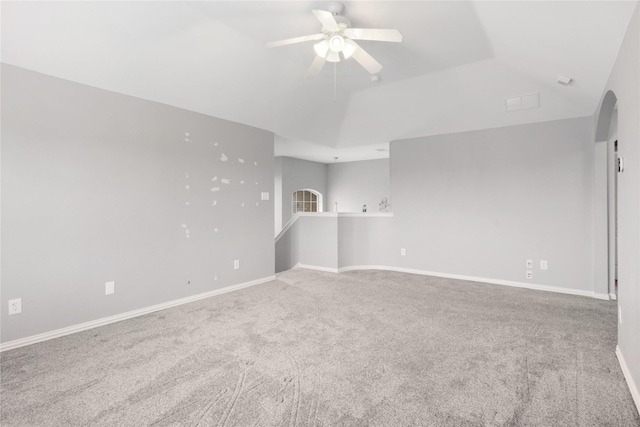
{"type": "Point", "coordinates": [110, 288]}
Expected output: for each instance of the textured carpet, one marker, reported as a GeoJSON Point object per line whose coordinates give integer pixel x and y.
{"type": "Point", "coordinates": [321, 349]}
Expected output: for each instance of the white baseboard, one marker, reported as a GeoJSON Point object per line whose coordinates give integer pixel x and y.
{"type": "Point", "coordinates": [613, 296]}
{"type": "Point", "coordinates": [478, 279]}
{"type": "Point", "coordinates": [601, 296]}
{"type": "Point", "coordinates": [124, 316]}
{"type": "Point", "coordinates": [316, 267]}
{"type": "Point", "coordinates": [635, 393]}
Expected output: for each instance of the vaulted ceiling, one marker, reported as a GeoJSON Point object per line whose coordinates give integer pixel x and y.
{"type": "Point", "coordinates": [457, 63]}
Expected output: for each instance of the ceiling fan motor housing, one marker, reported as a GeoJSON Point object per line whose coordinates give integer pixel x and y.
{"type": "Point", "coordinates": [342, 21]}
{"type": "Point", "coordinates": [336, 7]}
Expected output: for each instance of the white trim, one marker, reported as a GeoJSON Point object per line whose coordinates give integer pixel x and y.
{"type": "Point", "coordinates": [287, 226]}
{"type": "Point", "coordinates": [365, 214]}
{"type": "Point", "coordinates": [533, 286]}
{"type": "Point", "coordinates": [627, 375]}
{"type": "Point", "coordinates": [318, 214]}
{"type": "Point", "coordinates": [124, 316]}
{"type": "Point", "coordinates": [601, 296]}
{"type": "Point", "coordinates": [346, 214]}
{"type": "Point", "coordinates": [297, 215]}
{"type": "Point", "coordinates": [613, 296]}
{"type": "Point", "coordinates": [316, 267]}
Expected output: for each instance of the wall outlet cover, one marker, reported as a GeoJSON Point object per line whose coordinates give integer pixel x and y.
{"type": "Point", "coordinates": [15, 306]}
{"type": "Point", "coordinates": [529, 274]}
{"type": "Point", "coordinates": [543, 264]}
{"type": "Point", "coordinates": [403, 252]}
{"type": "Point", "coordinates": [529, 263]}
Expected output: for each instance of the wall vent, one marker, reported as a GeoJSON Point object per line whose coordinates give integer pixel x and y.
{"type": "Point", "coordinates": [522, 102]}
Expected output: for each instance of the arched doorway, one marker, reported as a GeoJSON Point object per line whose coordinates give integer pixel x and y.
{"type": "Point", "coordinates": [606, 197]}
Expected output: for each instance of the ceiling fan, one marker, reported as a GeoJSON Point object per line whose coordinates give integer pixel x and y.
{"type": "Point", "coordinates": [337, 40]}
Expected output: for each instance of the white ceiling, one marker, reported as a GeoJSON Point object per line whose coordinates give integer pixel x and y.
{"type": "Point", "coordinates": [456, 65]}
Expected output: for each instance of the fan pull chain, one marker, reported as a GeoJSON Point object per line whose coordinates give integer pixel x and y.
{"type": "Point", "coordinates": [335, 81]}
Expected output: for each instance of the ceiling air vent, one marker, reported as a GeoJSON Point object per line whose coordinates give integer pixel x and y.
{"type": "Point", "coordinates": [523, 102]}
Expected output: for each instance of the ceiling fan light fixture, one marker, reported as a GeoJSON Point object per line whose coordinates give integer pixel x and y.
{"type": "Point", "coordinates": [333, 56]}
{"type": "Point", "coordinates": [336, 43]}
{"type": "Point", "coordinates": [349, 48]}
{"type": "Point", "coordinates": [322, 48]}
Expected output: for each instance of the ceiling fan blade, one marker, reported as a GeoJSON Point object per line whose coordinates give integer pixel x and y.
{"type": "Point", "coordinates": [327, 20]}
{"type": "Point", "coordinates": [376, 34]}
{"type": "Point", "coordinates": [316, 66]}
{"type": "Point", "coordinates": [364, 59]}
{"type": "Point", "coordinates": [296, 40]}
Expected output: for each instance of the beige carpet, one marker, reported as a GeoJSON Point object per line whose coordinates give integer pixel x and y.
{"type": "Point", "coordinates": [362, 348]}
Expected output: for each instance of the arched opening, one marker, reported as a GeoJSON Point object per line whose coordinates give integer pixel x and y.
{"type": "Point", "coordinates": [603, 126]}
{"type": "Point", "coordinates": [606, 198]}
{"type": "Point", "coordinates": [306, 200]}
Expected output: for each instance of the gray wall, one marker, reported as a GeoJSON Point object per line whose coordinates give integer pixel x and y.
{"type": "Point", "coordinates": [277, 195]}
{"type": "Point", "coordinates": [296, 174]}
{"type": "Point", "coordinates": [481, 203]}
{"type": "Point", "coordinates": [287, 251]}
{"type": "Point", "coordinates": [624, 82]}
{"type": "Point", "coordinates": [366, 241]}
{"type": "Point", "coordinates": [97, 186]}
{"type": "Point", "coordinates": [332, 241]}
{"type": "Point", "coordinates": [600, 237]}
{"type": "Point", "coordinates": [318, 241]}
{"type": "Point", "coordinates": [353, 184]}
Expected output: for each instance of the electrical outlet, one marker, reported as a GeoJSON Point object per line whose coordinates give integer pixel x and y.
{"type": "Point", "coordinates": [529, 274]}
{"type": "Point", "coordinates": [15, 306]}
{"type": "Point", "coordinates": [403, 252]}
{"type": "Point", "coordinates": [110, 288]}
{"type": "Point", "coordinates": [529, 263]}
{"type": "Point", "coordinates": [264, 196]}
{"type": "Point", "coordinates": [236, 264]}
{"type": "Point", "coordinates": [543, 264]}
